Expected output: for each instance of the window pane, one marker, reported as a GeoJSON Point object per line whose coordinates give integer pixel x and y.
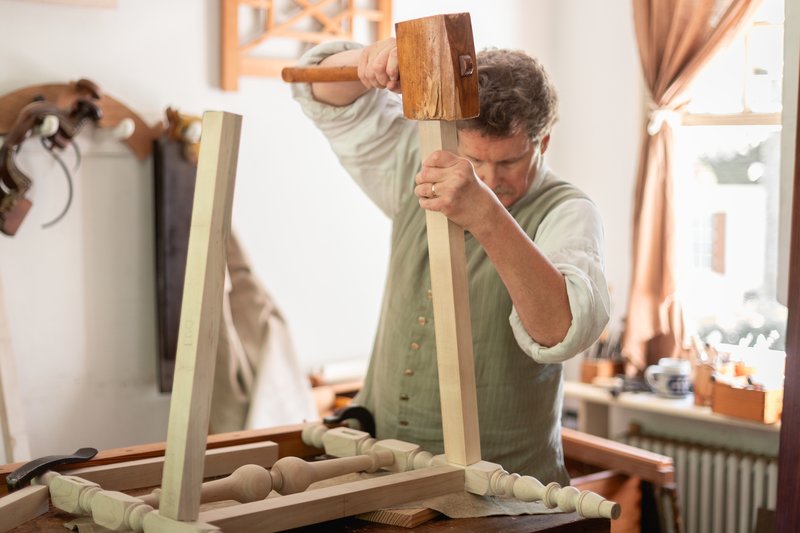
{"type": "Point", "coordinates": [746, 75]}
{"type": "Point", "coordinates": [764, 78]}
{"type": "Point", "coordinates": [771, 11]}
{"type": "Point", "coordinates": [719, 88]}
{"type": "Point", "coordinates": [726, 190]}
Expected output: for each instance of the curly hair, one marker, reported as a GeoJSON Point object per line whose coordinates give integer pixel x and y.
{"type": "Point", "coordinates": [515, 93]}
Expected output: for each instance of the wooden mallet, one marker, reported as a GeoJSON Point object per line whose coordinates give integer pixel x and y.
{"type": "Point", "coordinates": [438, 71]}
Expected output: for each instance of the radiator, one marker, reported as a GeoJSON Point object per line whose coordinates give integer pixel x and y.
{"type": "Point", "coordinates": [719, 490]}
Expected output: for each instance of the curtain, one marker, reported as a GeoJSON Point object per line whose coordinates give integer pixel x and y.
{"type": "Point", "coordinates": [676, 38]}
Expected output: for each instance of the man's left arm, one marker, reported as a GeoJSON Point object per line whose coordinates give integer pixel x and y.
{"type": "Point", "coordinates": [556, 284]}
{"type": "Point", "coordinates": [537, 288]}
{"type": "Point", "coordinates": [555, 279]}
{"type": "Point", "coordinates": [570, 240]}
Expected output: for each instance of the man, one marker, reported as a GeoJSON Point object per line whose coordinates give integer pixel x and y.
{"type": "Point", "coordinates": [534, 250]}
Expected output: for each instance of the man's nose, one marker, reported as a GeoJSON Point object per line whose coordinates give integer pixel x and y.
{"type": "Point", "coordinates": [489, 175]}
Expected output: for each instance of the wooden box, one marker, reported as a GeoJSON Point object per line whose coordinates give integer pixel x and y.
{"type": "Point", "coordinates": [604, 368]}
{"type": "Point", "coordinates": [703, 384]}
{"type": "Point", "coordinates": [749, 403]}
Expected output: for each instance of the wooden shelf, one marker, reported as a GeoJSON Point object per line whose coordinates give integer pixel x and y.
{"type": "Point", "coordinates": [642, 401]}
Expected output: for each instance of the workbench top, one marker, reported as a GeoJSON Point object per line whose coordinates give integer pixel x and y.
{"type": "Point", "coordinates": [53, 522]}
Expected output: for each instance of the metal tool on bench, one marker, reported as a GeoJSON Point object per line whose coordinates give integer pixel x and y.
{"type": "Point", "coordinates": [366, 422]}
{"type": "Point", "coordinates": [23, 475]}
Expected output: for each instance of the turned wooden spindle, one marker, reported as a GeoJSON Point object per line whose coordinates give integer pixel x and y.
{"type": "Point", "coordinates": [113, 510]}
{"type": "Point", "coordinates": [248, 483]}
{"type": "Point", "coordinates": [347, 442]}
{"type": "Point", "coordinates": [118, 511]}
{"type": "Point", "coordinates": [568, 499]}
{"type": "Point", "coordinates": [489, 479]}
{"type": "Point", "coordinates": [69, 493]}
{"type": "Point", "coordinates": [291, 474]}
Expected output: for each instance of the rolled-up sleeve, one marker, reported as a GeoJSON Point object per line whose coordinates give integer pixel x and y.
{"type": "Point", "coordinates": [571, 236]}
{"type": "Point", "coordinates": [374, 142]}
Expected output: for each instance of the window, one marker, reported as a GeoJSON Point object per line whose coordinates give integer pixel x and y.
{"type": "Point", "coordinates": [727, 190]}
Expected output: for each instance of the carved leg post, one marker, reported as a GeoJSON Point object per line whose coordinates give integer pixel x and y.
{"type": "Point", "coordinates": [200, 317]}
{"type": "Point", "coordinates": [438, 92]}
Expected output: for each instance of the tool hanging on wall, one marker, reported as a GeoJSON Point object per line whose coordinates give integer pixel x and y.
{"type": "Point", "coordinates": [175, 156]}
{"type": "Point", "coordinates": [57, 128]}
{"type": "Point", "coordinates": [56, 113]}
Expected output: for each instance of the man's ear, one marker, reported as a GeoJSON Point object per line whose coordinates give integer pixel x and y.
{"type": "Point", "coordinates": [544, 143]}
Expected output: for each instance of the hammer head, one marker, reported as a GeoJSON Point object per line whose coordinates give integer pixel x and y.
{"type": "Point", "coordinates": [436, 57]}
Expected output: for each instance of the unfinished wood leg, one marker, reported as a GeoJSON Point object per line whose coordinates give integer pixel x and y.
{"type": "Point", "coordinates": [113, 510]}
{"type": "Point", "coordinates": [118, 511]}
{"type": "Point", "coordinates": [200, 317]}
{"type": "Point", "coordinates": [450, 290]}
{"type": "Point", "coordinates": [22, 505]}
{"type": "Point", "coordinates": [70, 493]}
{"type": "Point", "coordinates": [436, 56]}
{"type": "Point", "coordinates": [489, 479]}
{"type": "Point", "coordinates": [347, 442]}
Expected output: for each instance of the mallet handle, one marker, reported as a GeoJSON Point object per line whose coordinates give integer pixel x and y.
{"type": "Point", "coordinates": [315, 74]}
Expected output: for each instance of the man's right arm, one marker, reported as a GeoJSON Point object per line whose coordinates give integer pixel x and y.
{"type": "Point", "coordinates": [339, 93]}
{"type": "Point", "coordinates": [377, 69]}
{"type": "Point", "coordinates": [373, 141]}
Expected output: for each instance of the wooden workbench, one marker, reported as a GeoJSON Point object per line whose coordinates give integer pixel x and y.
{"type": "Point", "coordinates": [53, 522]}
{"type": "Point", "coordinates": [620, 484]}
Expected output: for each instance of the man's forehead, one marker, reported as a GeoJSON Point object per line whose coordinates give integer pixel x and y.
{"type": "Point", "coordinates": [473, 143]}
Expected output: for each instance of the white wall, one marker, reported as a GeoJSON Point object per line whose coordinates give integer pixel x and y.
{"type": "Point", "coordinates": [80, 295]}
{"type": "Point", "coordinates": [596, 143]}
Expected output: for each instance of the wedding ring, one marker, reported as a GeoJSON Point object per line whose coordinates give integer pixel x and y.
{"type": "Point", "coordinates": [433, 190]}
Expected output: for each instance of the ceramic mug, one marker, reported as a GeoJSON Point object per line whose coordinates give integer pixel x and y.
{"type": "Point", "coordinates": [671, 378]}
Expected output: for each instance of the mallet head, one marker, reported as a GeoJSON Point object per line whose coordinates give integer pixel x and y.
{"type": "Point", "coordinates": [438, 69]}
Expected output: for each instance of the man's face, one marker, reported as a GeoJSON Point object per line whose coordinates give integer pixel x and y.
{"type": "Point", "coordinates": [502, 163]}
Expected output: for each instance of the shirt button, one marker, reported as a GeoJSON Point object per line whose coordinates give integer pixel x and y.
{"type": "Point", "coordinates": [421, 321]}
{"type": "Point", "coordinates": [414, 346]}
{"type": "Point", "coordinates": [404, 397]}
{"type": "Point", "coordinates": [403, 422]}
{"type": "Point", "coordinates": [430, 294]}
{"type": "Point", "coordinates": [408, 372]}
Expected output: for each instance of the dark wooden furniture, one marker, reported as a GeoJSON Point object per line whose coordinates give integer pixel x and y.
{"type": "Point", "coordinates": [789, 456]}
